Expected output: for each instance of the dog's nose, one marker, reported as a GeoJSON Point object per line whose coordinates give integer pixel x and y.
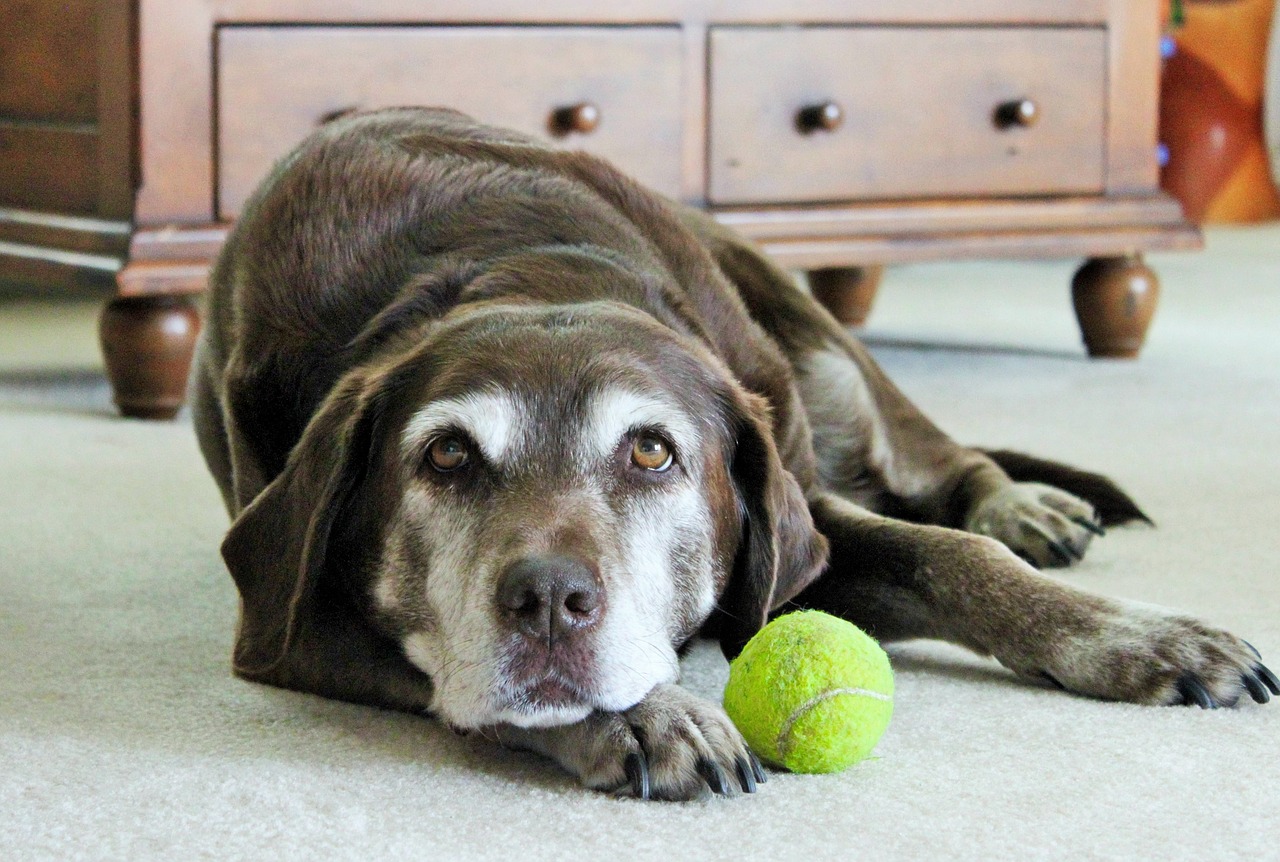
{"type": "Point", "coordinates": [550, 597]}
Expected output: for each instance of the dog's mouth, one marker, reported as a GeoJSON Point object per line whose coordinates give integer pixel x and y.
{"type": "Point", "coordinates": [551, 692]}
{"type": "Point", "coordinates": [546, 701]}
{"type": "Point", "coordinates": [539, 678]}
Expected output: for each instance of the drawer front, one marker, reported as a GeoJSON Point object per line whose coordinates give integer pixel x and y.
{"type": "Point", "coordinates": [276, 84]}
{"type": "Point", "coordinates": [917, 112]}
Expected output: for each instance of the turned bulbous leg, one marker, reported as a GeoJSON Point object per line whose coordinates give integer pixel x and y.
{"type": "Point", "coordinates": [1115, 299]}
{"type": "Point", "coordinates": [846, 292]}
{"type": "Point", "coordinates": [147, 344]}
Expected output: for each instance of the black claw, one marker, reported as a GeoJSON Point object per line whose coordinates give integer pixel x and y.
{"type": "Point", "coordinates": [745, 775]}
{"type": "Point", "coordinates": [1257, 690]}
{"type": "Point", "coordinates": [1194, 692]}
{"type": "Point", "coordinates": [1092, 526]}
{"type": "Point", "coordinates": [1065, 555]}
{"type": "Point", "coordinates": [1268, 678]}
{"type": "Point", "coordinates": [714, 776]}
{"type": "Point", "coordinates": [757, 767]}
{"type": "Point", "coordinates": [638, 774]}
{"type": "Point", "coordinates": [1252, 649]}
{"type": "Point", "coordinates": [1053, 680]}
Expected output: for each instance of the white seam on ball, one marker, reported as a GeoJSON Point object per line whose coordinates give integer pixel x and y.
{"type": "Point", "coordinates": [784, 735]}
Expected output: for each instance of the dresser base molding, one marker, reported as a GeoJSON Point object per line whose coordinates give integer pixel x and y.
{"type": "Point", "coordinates": [840, 247]}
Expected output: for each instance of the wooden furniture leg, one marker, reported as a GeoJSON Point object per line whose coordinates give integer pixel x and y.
{"type": "Point", "coordinates": [847, 292]}
{"type": "Point", "coordinates": [147, 343]}
{"type": "Point", "coordinates": [1115, 298]}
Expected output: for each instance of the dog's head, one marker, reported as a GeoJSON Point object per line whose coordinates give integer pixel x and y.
{"type": "Point", "coordinates": [537, 505]}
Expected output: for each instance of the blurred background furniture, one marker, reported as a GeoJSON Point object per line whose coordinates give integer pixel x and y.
{"type": "Point", "coordinates": [1211, 112]}
{"type": "Point", "coordinates": [841, 135]}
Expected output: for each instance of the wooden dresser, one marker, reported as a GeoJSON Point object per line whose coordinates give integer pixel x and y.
{"type": "Point", "coordinates": [839, 134]}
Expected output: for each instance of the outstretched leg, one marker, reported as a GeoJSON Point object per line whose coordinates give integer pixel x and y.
{"type": "Point", "coordinates": [900, 580]}
{"type": "Point", "coordinates": [874, 447]}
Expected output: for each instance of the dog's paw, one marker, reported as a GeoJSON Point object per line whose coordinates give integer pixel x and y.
{"type": "Point", "coordinates": [1150, 655]}
{"type": "Point", "coordinates": [672, 745]}
{"type": "Point", "coordinates": [1046, 526]}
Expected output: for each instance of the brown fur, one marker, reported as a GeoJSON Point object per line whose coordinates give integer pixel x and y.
{"type": "Point", "coordinates": [402, 257]}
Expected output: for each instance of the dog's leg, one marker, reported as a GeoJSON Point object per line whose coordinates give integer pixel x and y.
{"type": "Point", "coordinates": [672, 745]}
{"type": "Point", "coordinates": [872, 444]}
{"type": "Point", "coordinates": [900, 580]}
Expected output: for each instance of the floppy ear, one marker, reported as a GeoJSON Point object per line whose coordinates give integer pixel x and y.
{"type": "Point", "coordinates": [300, 627]}
{"type": "Point", "coordinates": [780, 552]}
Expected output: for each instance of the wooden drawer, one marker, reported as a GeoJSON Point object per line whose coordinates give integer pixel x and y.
{"type": "Point", "coordinates": [918, 108]}
{"type": "Point", "coordinates": [276, 83]}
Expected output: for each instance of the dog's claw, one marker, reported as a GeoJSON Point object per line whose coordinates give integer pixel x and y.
{"type": "Point", "coordinates": [1065, 554]}
{"type": "Point", "coordinates": [1257, 690]}
{"type": "Point", "coordinates": [757, 767]}
{"type": "Point", "coordinates": [714, 776]}
{"type": "Point", "coordinates": [1092, 526]}
{"type": "Point", "coordinates": [1193, 691]}
{"type": "Point", "coordinates": [1253, 649]}
{"type": "Point", "coordinates": [638, 774]}
{"type": "Point", "coordinates": [1052, 680]}
{"type": "Point", "coordinates": [1268, 678]}
{"type": "Point", "coordinates": [746, 776]}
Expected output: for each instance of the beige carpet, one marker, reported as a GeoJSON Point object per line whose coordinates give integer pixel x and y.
{"type": "Point", "coordinates": [124, 736]}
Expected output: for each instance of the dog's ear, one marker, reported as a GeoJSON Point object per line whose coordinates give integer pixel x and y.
{"type": "Point", "coordinates": [780, 551]}
{"type": "Point", "coordinates": [300, 627]}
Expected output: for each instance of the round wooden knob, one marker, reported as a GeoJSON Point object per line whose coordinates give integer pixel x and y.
{"type": "Point", "coordinates": [1020, 112]}
{"type": "Point", "coordinates": [582, 118]}
{"type": "Point", "coordinates": [826, 117]}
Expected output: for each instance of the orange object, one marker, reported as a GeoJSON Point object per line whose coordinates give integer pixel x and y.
{"type": "Point", "coordinates": [1211, 113]}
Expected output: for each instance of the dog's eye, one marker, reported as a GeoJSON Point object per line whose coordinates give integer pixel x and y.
{"type": "Point", "coordinates": [650, 452]}
{"type": "Point", "coordinates": [447, 454]}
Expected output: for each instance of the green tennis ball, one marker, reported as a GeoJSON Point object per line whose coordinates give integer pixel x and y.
{"type": "Point", "coordinates": [810, 692]}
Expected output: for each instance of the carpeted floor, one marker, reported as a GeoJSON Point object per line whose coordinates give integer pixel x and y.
{"type": "Point", "coordinates": [124, 736]}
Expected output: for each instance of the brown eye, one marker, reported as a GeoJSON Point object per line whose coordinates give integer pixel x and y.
{"type": "Point", "coordinates": [651, 453]}
{"type": "Point", "coordinates": [447, 454]}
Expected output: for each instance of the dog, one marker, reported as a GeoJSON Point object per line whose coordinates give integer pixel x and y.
{"type": "Point", "coordinates": [501, 431]}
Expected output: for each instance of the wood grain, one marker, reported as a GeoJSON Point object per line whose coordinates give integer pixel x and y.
{"type": "Point", "coordinates": [175, 111]}
{"type": "Point", "coordinates": [651, 11]}
{"type": "Point", "coordinates": [904, 218]}
{"type": "Point", "coordinates": [931, 132]}
{"type": "Point", "coordinates": [799, 252]}
{"type": "Point", "coordinates": [632, 75]}
{"type": "Point", "coordinates": [1133, 91]}
{"type": "Point", "coordinates": [49, 166]}
{"type": "Point", "coordinates": [46, 62]}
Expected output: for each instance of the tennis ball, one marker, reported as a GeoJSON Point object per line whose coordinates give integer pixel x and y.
{"type": "Point", "coordinates": [810, 692]}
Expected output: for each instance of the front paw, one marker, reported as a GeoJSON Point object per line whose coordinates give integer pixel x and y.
{"type": "Point", "coordinates": [1150, 655]}
{"type": "Point", "coordinates": [672, 745]}
{"type": "Point", "coordinates": [1046, 526]}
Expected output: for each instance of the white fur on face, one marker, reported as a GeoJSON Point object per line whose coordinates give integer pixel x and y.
{"type": "Point", "coordinates": [616, 411]}
{"type": "Point", "coordinates": [449, 626]}
{"type": "Point", "coordinates": [494, 420]}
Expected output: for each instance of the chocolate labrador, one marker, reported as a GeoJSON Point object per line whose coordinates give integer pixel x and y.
{"type": "Point", "coordinates": [501, 431]}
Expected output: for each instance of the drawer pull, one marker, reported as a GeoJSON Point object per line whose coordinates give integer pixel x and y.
{"type": "Point", "coordinates": [826, 117]}
{"type": "Point", "coordinates": [1020, 112]}
{"type": "Point", "coordinates": [582, 118]}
